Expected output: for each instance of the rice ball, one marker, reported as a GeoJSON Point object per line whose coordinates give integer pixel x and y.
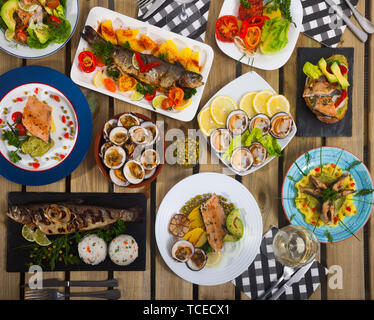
{"type": "Point", "coordinates": [92, 249]}
{"type": "Point", "coordinates": [123, 250]}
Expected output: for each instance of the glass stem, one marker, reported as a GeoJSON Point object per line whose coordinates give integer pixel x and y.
{"type": "Point", "coordinates": [183, 16]}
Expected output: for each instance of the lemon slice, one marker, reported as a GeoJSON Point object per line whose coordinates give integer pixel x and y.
{"type": "Point", "coordinates": [206, 123]}
{"type": "Point", "coordinates": [137, 96]}
{"type": "Point", "coordinates": [184, 104]}
{"type": "Point", "coordinates": [27, 7]}
{"type": "Point", "coordinates": [220, 108]}
{"type": "Point", "coordinates": [246, 103]}
{"type": "Point", "coordinates": [28, 233]}
{"type": "Point", "coordinates": [135, 63]}
{"type": "Point", "coordinates": [260, 101]}
{"type": "Point", "coordinates": [9, 35]}
{"type": "Point", "coordinates": [41, 238]}
{"type": "Point", "coordinates": [98, 79]}
{"type": "Point", "coordinates": [213, 258]}
{"type": "Point", "coordinates": [277, 104]}
{"type": "Point", "coordinates": [157, 101]}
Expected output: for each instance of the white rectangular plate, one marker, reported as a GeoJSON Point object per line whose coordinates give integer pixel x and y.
{"type": "Point", "coordinates": [261, 61]}
{"type": "Point", "coordinates": [98, 15]}
{"type": "Point", "coordinates": [236, 89]}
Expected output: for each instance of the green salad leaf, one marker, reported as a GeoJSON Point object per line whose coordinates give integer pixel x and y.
{"type": "Point", "coordinates": [274, 35]}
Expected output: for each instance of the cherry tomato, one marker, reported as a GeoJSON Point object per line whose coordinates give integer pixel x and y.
{"type": "Point", "coordinates": [21, 129]}
{"type": "Point", "coordinates": [53, 4]}
{"type": "Point", "coordinates": [17, 117]}
{"type": "Point", "coordinates": [149, 97]}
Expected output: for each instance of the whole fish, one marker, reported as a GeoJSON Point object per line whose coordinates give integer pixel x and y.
{"type": "Point", "coordinates": [162, 77]}
{"type": "Point", "coordinates": [56, 219]}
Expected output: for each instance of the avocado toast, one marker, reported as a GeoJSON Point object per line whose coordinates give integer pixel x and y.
{"type": "Point", "coordinates": [325, 91]}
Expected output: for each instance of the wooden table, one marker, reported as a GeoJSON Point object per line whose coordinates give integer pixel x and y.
{"type": "Point", "coordinates": [158, 281]}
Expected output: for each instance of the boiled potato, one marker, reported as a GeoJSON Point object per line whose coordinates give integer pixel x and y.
{"type": "Point", "coordinates": [184, 56]}
{"type": "Point", "coordinates": [124, 35]}
{"type": "Point", "coordinates": [108, 33]}
{"type": "Point", "coordinates": [196, 236]}
{"type": "Point", "coordinates": [194, 64]}
{"type": "Point", "coordinates": [147, 42]}
{"type": "Point", "coordinates": [196, 219]}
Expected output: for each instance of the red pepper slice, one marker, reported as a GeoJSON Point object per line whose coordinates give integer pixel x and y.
{"type": "Point", "coordinates": [87, 61]}
{"type": "Point", "coordinates": [342, 98]}
{"type": "Point", "coordinates": [146, 67]}
{"type": "Point", "coordinates": [343, 69]}
{"type": "Point", "coordinates": [54, 19]}
{"type": "Point", "coordinates": [243, 29]}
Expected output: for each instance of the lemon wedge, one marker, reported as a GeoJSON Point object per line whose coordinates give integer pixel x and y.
{"type": "Point", "coordinates": [137, 96]}
{"type": "Point", "coordinates": [220, 108]}
{"type": "Point", "coordinates": [41, 238]}
{"type": "Point", "coordinates": [260, 101]}
{"type": "Point", "coordinates": [206, 123]}
{"type": "Point", "coordinates": [28, 233]}
{"type": "Point", "coordinates": [246, 103]}
{"type": "Point", "coordinates": [278, 103]}
{"type": "Point", "coordinates": [213, 258]}
{"type": "Point", "coordinates": [157, 101]}
{"type": "Point", "coordinates": [98, 79]}
{"type": "Point", "coordinates": [184, 104]}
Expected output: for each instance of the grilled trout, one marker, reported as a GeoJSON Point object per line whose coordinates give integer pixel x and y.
{"type": "Point", "coordinates": [162, 77]}
{"type": "Point", "coordinates": [54, 219]}
{"type": "Point", "coordinates": [214, 219]}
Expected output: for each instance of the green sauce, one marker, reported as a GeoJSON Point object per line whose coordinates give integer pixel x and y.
{"type": "Point", "coordinates": [36, 147]}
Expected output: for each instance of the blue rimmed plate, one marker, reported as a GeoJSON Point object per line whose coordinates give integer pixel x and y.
{"type": "Point", "coordinates": [359, 173]}
{"type": "Point", "coordinates": [71, 117]}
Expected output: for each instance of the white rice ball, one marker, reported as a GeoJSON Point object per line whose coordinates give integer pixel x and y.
{"type": "Point", "coordinates": [123, 250]}
{"type": "Point", "coordinates": [92, 249]}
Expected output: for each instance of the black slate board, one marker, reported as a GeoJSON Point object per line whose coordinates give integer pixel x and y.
{"type": "Point", "coordinates": [307, 123]}
{"type": "Point", "coordinates": [18, 258]}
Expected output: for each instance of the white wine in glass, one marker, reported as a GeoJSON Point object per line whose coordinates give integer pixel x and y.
{"type": "Point", "coordinates": [295, 246]}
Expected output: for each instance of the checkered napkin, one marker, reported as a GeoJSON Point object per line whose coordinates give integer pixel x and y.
{"type": "Point", "coordinates": [194, 30]}
{"type": "Point", "coordinates": [265, 271]}
{"type": "Point", "coordinates": [321, 23]}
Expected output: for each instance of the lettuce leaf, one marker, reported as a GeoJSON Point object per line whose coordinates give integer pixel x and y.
{"type": "Point", "coordinates": [274, 35]}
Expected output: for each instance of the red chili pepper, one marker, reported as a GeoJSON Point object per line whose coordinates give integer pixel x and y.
{"type": "Point", "coordinates": [19, 99]}
{"type": "Point", "coordinates": [342, 98]}
{"type": "Point", "coordinates": [243, 29]}
{"type": "Point", "coordinates": [352, 184]}
{"type": "Point", "coordinates": [36, 91]}
{"type": "Point", "coordinates": [1, 120]}
{"type": "Point", "coordinates": [313, 223]}
{"type": "Point", "coordinates": [62, 156]}
{"type": "Point", "coordinates": [145, 67]}
{"type": "Point", "coordinates": [87, 61]}
{"type": "Point", "coordinates": [314, 209]}
{"type": "Point", "coordinates": [36, 165]}
{"type": "Point", "coordinates": [150, 97]}
{"type": "Point", "coordinates": [336, 219]}
{"type": "Point", "coordinates": [54, 19]}
{"type": "Point", "coordinates": [343, 69]}
{"type": "Point", "coordinates": [63, 119]}
{"type": "Point", "coordinates": [304, 205]}
{"type": "Point", "coordinates": [332, 165]}
{"type": "Point", "coordinates": [66, 135]}
{"type": "Point", "coordinates": [317, 169]}
{"type": "Point", "coordinates": [57, 98]}
{"type": "Point", "coordinates": [348, 209]}
{"type": "Point", "coordinates": [70, 123]}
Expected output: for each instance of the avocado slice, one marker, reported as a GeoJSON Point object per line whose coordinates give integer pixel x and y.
{"type": "Point", "coordinates": [7, 12]}
{"type": "Point", "coordinates": [234, 225]}
{"type": "Point", "coordinates": [323, 66]}
{"type": "Point", "coordinates": [42, 33]}
{"type": "Point", "coordinates": [338, 74]}
{"type": "Point", "coordinates": [312, 71]}
{"type": "Point", "coordinates": [230, 238]}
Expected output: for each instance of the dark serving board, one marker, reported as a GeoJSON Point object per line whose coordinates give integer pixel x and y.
{"type": "Point", "coordinates": [307, 123]}
{"type": "Point", "coordinates": [18, 258]}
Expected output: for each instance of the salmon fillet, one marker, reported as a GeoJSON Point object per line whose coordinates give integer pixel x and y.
{"type": "Point", "coordinates": [320, 87]}
{"type": "Point", "coordinates": [37, 118]}
{"type": "Point", "coordinates": [214, 219]}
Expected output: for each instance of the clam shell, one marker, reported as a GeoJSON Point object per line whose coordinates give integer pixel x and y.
{"type": "Point", "coordinates": [134, 172]}
{"type": "Point", "coordinates": [108, 126]}
{"type": "Point", "coordinates": [118, 178]}
{"type": "Point", "coordinates": [104, 148]}
{"type": "Point", "coordinates": [182, 244]}
{"type": "Point", "coordinates": [224, 140]}
{"type": "Point", "coordinates": [149, 173]}
{"type": "Point", "coordinates": [128, 120]}
{"type": "Point", "coordinates": [139, 135]}
{"type": "Point", "coordinates": [261, 121]}
{"type": "Point", "coordinates": [114, 157]}
{"type": "Point", "coordinates": [192, 262]}
{"type": "Point", "coordinates": [241, 159]}
{"type": "Point", "coordinates": [237, 122]}
{"type": "Point", "coordinates": [118, 136]}
{"type": "Point", "coordinates": [259, 153]}
{"type": "Point", "coordinates": [281, 125]}
{"type": "Point", "coordinates": [150, 159]}
{"type": "Point", "coordinates": [153, 129]}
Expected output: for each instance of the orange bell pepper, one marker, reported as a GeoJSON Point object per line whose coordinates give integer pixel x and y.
{"type": "Point", "coordinates": [176, 95]}
{"type": "Point", "coordinates": [127, 83]}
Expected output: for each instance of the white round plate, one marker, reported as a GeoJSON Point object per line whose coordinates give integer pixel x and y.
{"type": "Point", "coordinates": [64, 118]}
{"type": "Point", "coordinates": [25, 52]}
{"type": "Point", "coordinates": [261, 61]}
{"type": "Point", "coordinates": [236, 257]}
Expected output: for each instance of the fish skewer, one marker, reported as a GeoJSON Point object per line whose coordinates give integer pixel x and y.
{"type": "Point", "coordinates": [163, 77]}
{"type": "Point", "coordinates": [56, 219]}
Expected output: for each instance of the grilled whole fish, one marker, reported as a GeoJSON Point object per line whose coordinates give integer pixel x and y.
{"type": "Point", "coordinates": [162, 77]}
{"type": "Point", "coordinates": [56, 219]}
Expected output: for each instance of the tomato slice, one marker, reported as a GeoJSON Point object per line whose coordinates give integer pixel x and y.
{"type": "Point", "coordinates": [53, 4]}
{"type": "Point", "coordinates": [21, 129]}
{"type": "Point", "coordinates": [227, 27]}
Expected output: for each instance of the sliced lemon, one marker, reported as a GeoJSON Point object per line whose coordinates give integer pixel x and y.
{"type": "Point", "coordinates": [135, 63]}
{"type": "Point", "coordinates": [184, 104]}
{"type": "Point", "coordinates": [157, 101]}
{"type": "Point", "coordinates": [9, 35]}
{"type": "Point", "coordinates": [41, 238]}
{"type": "Point", "coordinates": [206, 123]}
{"type": "Point", "coordinates": [213, 258]}
{"type": "Point", "coordinates": [278, 103]}
{"type": "Point", "coordinates": [260, 101]}
{"type": "Point", "coordinates": [246, 103]}
{"type": "Point", "coordinates": [28, 233]}
{"type": "Point", "coordinates": [137, 96]}
{"type": "Point", "coordinates": [98, 79]}
{"type": "Point", "coordinates": [220, 108]}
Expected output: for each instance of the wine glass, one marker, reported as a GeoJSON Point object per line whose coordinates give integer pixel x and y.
{"type": "Point", "coordinates": [184, 17]}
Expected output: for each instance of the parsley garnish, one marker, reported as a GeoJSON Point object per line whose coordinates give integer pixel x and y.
{"type": "Point", "coordinates": [104, 50]}
{"type": "Point", "coordinates": [188, 93]}
{"type": "Point", "coordinates": [113, 73]}
{"type": "Point", "coordinates": [245, 4]}
{"type": "Point", "coordinates": [354, 164]}
{"type": "Point", "coordinates": [329, 194]}
{"type": "Point", "coordinates": [364, 192]}
{"type": "Point", "coordinates": [126, 45]}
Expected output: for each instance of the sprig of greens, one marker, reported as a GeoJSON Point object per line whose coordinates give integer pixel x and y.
{"type": "Point", "coordinates": [354, 164]}
{"type": "Point", "coordinates": [283, 5]}
{"type": "Point", "coordinates": [188, 93]}
{"type": "Point", "coordinates": [246, 4]}
{"type": "Point", "coordinates": [103, 50]}
{"type": "Point", "coordinates": [364, 192]}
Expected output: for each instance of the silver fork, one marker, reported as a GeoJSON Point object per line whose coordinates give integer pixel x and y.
{"type": "Point", "coordinates": [143, 3]}
{"type": "Point", "coordinates": [53, 294]}
{"type": "Point", "coordinates": [367, 25]}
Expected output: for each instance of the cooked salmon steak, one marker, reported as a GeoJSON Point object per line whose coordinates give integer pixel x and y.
{"type": "Point", "coordinates": [320, 87]}
{"type": "Point", "coordinates": [214, 219]}
{"type": "Point", "coordinates": [37, 118]}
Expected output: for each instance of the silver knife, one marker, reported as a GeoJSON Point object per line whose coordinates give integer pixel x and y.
{"type": "Point", "coordinates": [363, 36]}
{"type": "Point", "coordinates": [155, 5]}
{"type": "Point", "coordinates": [295, 278]}
{"type": "Point", "coordinates": [47, 283]}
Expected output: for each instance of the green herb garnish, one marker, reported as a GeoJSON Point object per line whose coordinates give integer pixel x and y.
{"type": "Point", "coordinates": [126, 45]}
{"type": "Point", "coordinates": [328, 236]}
{"type": "Point", "coordinates": [188, 93]}
{"type": "Point", "coordinates": [364, 192]}
{"type": "Point", "coordinates": [354, 164]}
{"type": "Point", "coordinates": [113, 73]}
{"type": "Point", "coordinates": [329, 194]}
{"type": "Point", "coordinates": [245, 4]}
{"type": "Point", "coordinates": [104, 50]}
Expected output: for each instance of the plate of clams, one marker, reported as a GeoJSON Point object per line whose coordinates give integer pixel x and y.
{"type": "Point", "coordinates": [129, 150]}
{"type": "Point", "coordinates": [246, 142]}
